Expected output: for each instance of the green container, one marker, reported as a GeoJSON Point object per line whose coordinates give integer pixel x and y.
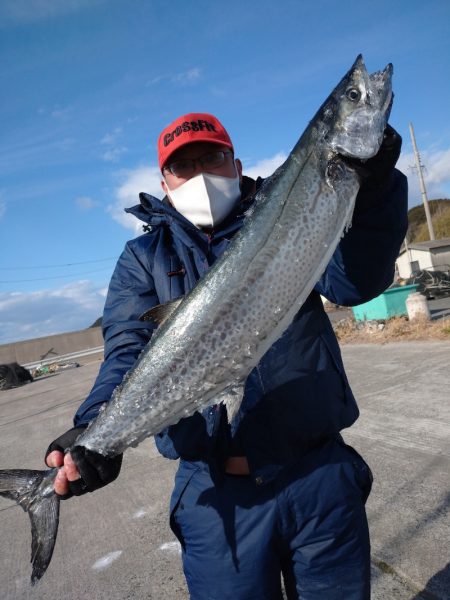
{"type": "Point", "coordinates": [390, 303]}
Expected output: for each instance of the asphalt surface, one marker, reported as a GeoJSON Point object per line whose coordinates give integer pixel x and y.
{"type": "Point", "coordinates": [116, 544]}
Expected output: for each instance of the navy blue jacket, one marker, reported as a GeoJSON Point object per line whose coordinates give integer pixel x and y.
{"type": "Point", "coordinates": [298, 395]}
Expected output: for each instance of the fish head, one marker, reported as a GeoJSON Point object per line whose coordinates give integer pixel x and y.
{"type": "Point", "coordinates": [362, 104]}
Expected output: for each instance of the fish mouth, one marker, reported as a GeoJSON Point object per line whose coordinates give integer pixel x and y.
{"type": "Point", "coordinates": [365, 102]}
{"type": "Point", "coordinates": [378, 85]}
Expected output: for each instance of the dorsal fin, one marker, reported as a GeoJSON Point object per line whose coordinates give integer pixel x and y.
{"type": "Point", "coordinates": [161, 312]}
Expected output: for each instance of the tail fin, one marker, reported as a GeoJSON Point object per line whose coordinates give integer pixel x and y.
{"type": "Point", "coordinates": [33, 490]}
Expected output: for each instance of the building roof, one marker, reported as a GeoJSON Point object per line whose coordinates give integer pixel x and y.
{"type": "Point", "coordinates": [428, 245]}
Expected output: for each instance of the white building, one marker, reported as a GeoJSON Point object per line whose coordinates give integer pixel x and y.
{"type": "Point", "coordinates": [432, 255]}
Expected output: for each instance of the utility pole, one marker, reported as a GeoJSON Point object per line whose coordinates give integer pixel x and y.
{"type": "Point", "coordinates": [422, 184]}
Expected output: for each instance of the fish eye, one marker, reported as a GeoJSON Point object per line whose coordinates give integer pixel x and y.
{"type": "Point", "coordinates": [353, 94]}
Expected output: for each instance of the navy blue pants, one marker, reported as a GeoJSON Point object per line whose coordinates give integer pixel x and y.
{"type": "Point", "coordinates": [309, 526]}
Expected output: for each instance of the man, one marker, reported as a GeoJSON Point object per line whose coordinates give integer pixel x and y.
{"type": "Point", "coordinates": [278, 490]}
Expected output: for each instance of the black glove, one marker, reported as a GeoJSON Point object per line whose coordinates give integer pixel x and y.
{"type": "Point", "coordinates": [95, 469]}
{"type": "Point", "coordinates": [375, 172]}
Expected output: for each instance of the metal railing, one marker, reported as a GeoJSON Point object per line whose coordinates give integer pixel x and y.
{"type": "Point", "coordinates": [63, 357]}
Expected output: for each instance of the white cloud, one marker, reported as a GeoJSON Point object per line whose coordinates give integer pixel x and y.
{"type": "Point", "coordinates": [438, 166]}
{"type": "Point", "coordinates": [155, 80]}
{"type": "Point", "coordinates": [111, 137]}
{"type": "Point", "coordinates": [57, 112]}
{"type": "Point", "coordinates": [27, 315]}
{"type": "Point", "coordinates": [113, 151]}
{"type": "Point", "coordinates": [189, 77]}
{"type": "Point", "coordinates": [141, 179]}
{"type": "Point", "coordinates": [114, 154]}
{"type": "Point", "coordinates": [85, 202]}
{"type": "Point", "coordinates": [61, 113]}
{"type": "Point", "coordinates": [266, 166]}
{"type": "Point", "coordinates": [436, 174]}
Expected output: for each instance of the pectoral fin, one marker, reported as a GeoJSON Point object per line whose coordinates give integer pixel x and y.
{"type": "Point", "coordinates": [232, 399]}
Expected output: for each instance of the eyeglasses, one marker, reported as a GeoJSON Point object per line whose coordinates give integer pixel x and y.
{"type": "Point", "coordinates": [186, 166]}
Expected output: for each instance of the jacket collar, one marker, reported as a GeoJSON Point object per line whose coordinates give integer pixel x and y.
{"type": "Point", "coordinates": [158, 213]}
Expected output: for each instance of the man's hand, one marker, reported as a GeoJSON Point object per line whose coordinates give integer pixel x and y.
{"type": "Point", "coordinates": [375, 172]}
{"type": "Point", "coordinates": [81, 470]}
{"type": "Point", "coordinates": [68, 473]}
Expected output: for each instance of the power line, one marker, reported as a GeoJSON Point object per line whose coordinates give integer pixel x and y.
{"type": "Point", "coordinates": [84, 262]}
{"type": "Point", "coordinates": [54, 277]}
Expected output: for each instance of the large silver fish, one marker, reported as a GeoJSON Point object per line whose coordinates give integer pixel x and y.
{"type": "Point", "coordinates": [206, 348]}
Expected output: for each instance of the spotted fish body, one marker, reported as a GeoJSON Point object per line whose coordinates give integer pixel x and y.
{"type": "Point", "coordinates": [204, 353]}
{"type": "Point", "coordinates": [205, 350]}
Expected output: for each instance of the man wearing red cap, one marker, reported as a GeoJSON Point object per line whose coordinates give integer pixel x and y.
{"type": "Point", "coordinates": [201, 177]}
{"type": "Point", "coordinates": [277, 491]}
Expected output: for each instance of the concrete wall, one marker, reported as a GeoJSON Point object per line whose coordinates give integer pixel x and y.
{"type": "Point", "coordinates": [51, 346]}
{"type": "Point", "coordinates": [404, 261]}
{"type": "Point", "coordinates": [441, 257]}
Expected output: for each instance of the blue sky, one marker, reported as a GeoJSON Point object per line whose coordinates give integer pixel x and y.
{"type": "Point", "coordinates": [87, 85]}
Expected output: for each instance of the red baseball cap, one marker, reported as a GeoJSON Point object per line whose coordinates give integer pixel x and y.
{"type": "Point", "coordinates": [193, 127]}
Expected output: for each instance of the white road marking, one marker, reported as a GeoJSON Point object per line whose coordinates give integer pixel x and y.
{"type": "Point", "coordinates": [106, 561]}
{"type": "Point", "coordinates": [171, 547]}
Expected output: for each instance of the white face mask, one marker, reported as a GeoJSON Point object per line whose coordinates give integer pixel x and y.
{"type": "Point", "coordinates": [205, 200]}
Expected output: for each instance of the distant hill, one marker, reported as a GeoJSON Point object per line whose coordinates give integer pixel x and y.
{"type": "Point", "coordinates": [96, 323]}
{"type": "Point", "coordinates": [440, 215]}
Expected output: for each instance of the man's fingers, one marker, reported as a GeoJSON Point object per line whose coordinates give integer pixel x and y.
{"type": "Point", "coordinates": [66, 474]}
{"type": "Point", "coordinates": [61, 484]}
{"type": "Point", "coordinates": [70, 468]}
{"type": "Point", "coordinates": [58, 459]}
{"type": "Point", "coordinates": [55, 459]}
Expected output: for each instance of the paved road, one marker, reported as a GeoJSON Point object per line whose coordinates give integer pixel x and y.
{"type": "Point", "coordinates": [404, 433]}
{"type": "Point", "coordinates": [116, 544]}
